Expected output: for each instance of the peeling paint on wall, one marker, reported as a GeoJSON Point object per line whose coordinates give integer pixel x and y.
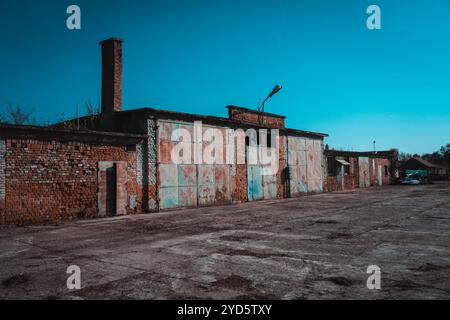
{"type": "Point", "coordinates": [255, 183]}
{"type": "Point", "coordinates": [188, 185]}
{"type": "Point", "coordinates": [305, 160]}
{"type": "Point", "coordinates": [364, 172]}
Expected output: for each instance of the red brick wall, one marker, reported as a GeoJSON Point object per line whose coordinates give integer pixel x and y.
{"type": "Point", "coordinates": [331, 184]}
{"type": "Point", "coordinates": [50, 181]}
{"type": "Point", "coordinates": [383, 163]}
{"type": "Point", "coordinates": [351, 180]}
{"type": "Point", "coordinates": [252, 117]}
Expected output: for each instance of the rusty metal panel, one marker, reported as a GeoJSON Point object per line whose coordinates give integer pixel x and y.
{"type": "Point", "coordinates": [222, 193]}
{"type": "Point", "coordinates": [305, 161]}
{"type": "Point", "coordinates": [168, 197]}
{"type": "Point", "coordinates": [314, 154]}
{"type": "Point", "coordinates": [206, 187]}
{"type": "Point", "coordinates": [293, 189]}
{"type": "Point", "coordinates": [255, 186]}
{"type": "Point", "coordinates": [206, 194]}
{"type": "Point", "coordinates": [221, 174]}
{"type": "Point", "coordinates": [222, 183]}
{"type": "Point", "coordinates": [206, 174]}
{"type": "Point", "coordinates": [168, 175]}
{"type": "Point", "coordinates": [292, 151]}
{"type": "Point", "coordinates": [302, 181]}
{"type": "Point", "coordinates": [270, 186]}
{"type": "Point", "coordinates": [364, 172]}
{"type": "Point", "coordinates": [301, 158]}
{"type": "Point", "coordinates": [187, 196]}
{"type": "Point", "coordinates": [301, 144]}
{"type": "Point", "coordinates": [166, 129]}
{"type": "Point", "coordinates": [187, 182]}
{"type": "Point", "coordinates": [296, 151]}
{"type": "Point", "coordinates": [187, 175]}
{"type": "Point", "coordinates": [165, 149]}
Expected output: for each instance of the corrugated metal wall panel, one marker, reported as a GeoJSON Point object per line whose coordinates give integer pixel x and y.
{"type": "Point", "coordinates": [188, 185]}
{"type": "Point", "coordinates": [305, 160]}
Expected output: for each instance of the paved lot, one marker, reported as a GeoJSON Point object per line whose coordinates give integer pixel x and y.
{"type": "Point", "coordinates": [315, 247]}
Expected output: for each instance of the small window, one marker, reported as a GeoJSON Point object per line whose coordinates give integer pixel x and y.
{"type": "Point", "coordinates": [386, 171]}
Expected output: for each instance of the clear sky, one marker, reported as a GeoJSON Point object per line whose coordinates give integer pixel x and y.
{"type": "Point", "coordinates": [390, 85]}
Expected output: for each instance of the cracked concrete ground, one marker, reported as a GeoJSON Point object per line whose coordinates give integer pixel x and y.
{"type": "Point", "coordinates": [315, 247]}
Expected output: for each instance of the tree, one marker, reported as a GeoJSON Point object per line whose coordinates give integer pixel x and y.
{"type": "Point", "coordinates": [92, 109]}
{"type": "Point", "coordinates": [402, 156]}
{"type": "Point", "coordinates": [16, 114]}
{"type": "Point", "coordinates": [445, 152]}
{"type": "Point", "coordinates": [441, 157]}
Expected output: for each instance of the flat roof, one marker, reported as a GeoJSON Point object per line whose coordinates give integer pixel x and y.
{"type": "Point", "coordinates": [256, 112]}
{"type": "Point", "coordinates": [216, 120]}
{"type": "Point", "coordinates": [343, 153]}
{"type": "Point", "coordinates": [39, 132]}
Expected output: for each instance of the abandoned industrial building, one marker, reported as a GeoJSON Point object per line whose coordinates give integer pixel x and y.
{"type": "Point", "coordinates": [418, 165]}
{"type": "Point", "coordinates": [119, 161]}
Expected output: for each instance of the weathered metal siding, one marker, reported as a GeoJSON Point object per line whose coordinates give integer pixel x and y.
{"type": "Point", "coordinates": [151, 176]}
{"type": "Point", "coordinates": [306, 165]}
{"type": "Point", "coordinates": [314, 165]}
{"type": "Point", "coordinates": [260, 185]}
{"type": "Point", "coordinates": [189, 185]}
{"type": "Point", "coordinates": [255, 183]}
{"type": "Point", "coordinates": [364, 172]}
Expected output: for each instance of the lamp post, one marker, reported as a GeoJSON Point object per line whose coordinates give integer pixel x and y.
{"type": "Point", "coordinates": [261, 107]}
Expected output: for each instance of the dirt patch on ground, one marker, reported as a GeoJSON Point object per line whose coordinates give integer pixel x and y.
{"type": "Point", "coordinates": [235, 252]}
{"type": "Point", "coordinates": [339, 235]}
{"type": "Point", "coordinates": [402, 285]}
{"type": "Point", "coordinates": [234, 238]}
{"type": "Point", "coordinates": [341, 281]}
{"type": "Point", "coordinates": [234, 282]}
{"type": "Point", "coordinates": [257, 296]}
{"type": "Point", "coordinates": [16, 280]}
{"type": "Point", "coordinates": [327, 222]}
{"type": "Point", "coordinates": [430, 267]}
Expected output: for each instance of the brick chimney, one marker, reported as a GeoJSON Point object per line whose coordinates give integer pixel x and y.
{"type": "Point", "coordinates": [111, 75]}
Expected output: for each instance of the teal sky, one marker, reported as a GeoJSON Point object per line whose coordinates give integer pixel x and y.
{"type": "Point", "coordinates": [390, 85]}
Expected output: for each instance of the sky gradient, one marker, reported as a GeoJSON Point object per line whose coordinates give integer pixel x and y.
{"type": "Point", "coordinates": [390, 85]}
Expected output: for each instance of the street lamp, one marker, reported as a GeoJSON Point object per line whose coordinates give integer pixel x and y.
{"type": "Point", "coordinates": [271, 94]}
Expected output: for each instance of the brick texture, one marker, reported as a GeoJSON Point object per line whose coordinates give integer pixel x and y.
{"type": "Point", "coordinates": [111, 75]}
{"type": "Point", "coordinates": [51, 181]}
{"type": "Point", "coordinates": [253, 117]}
